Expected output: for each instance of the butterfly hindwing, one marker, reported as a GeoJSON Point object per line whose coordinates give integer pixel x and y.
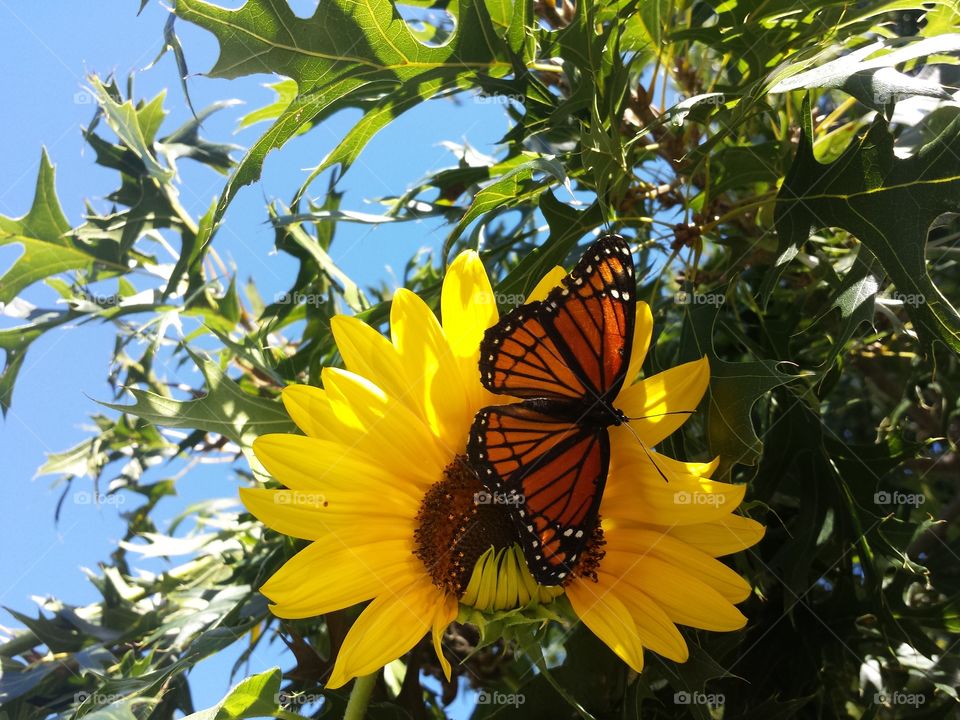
{"type": "Point", "coordinates": [553, 470]}
{"type": "Point", "coordinates": [576, 342]}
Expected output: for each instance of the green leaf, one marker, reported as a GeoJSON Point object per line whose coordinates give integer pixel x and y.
{"type": "Point", "coordinates": [352, 293]}
{"type": "Point", "coordinates": [734, 389]}
{"type": "Point", "coordinates": [44, 235]}
{"type": "Point", "coordinates": [285, 90]}
{"type": "Point", "coordinates": [185, 141]}
{"type": "Point", "coordinates": [856, 300]}
{"type": "Point", "coordinates": [252, 697]}
{"type": "Point", "coordinates": [887, 203]}
{"type": "Point", "coordinates": [119, 710]}
{"type": "Point", "coordinates": [172, 43]}
{"type": "Point", "coordinates": [15, 341]}
{"type": "Point", "coordinates": [514, 187]}
{"type": "Point", "coordinates": [873, 80]}
{"type": "Point", "coordinates": [226, 409]}
{"type": "Point", "coordinates": [346, 53]}
{"type": "Point", "coordinates": [381, 114]}
{"type": "Point", "coordinates": [124, 120]}
{"type": "Point", "coordinates": [567, 227]}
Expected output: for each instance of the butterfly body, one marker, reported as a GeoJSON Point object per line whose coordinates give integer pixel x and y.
{"type": "Point", "coordinates": [566, 357]}
{"type": "Point", "coordinates": [600, 415]}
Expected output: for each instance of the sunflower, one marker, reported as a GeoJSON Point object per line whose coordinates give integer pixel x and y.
{"type": "Point", "coordinates": [379, 484]}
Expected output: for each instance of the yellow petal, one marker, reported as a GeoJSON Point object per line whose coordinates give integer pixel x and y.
{"type": "Point", "coordinates": [387, 430]}
{"type": "Point", "coordinates": [601, 610]}
{"type": "Point", "coordinates": [636, 493]}
{"type": "Point", "coordinates": [310, 409]}
{"type": "Point", "coordinates": [338, 572]}
{"type": "Point", "coordinates": [357, 427]}
{"type": "Point", "coordinates": [468, 307]}
{"type": "Point", "coordinates": [642, 333]}
{"type": "Point", "coordinates": [446, 614]}
{"type": "Point", "coordinates": [703, 469]}
{"type": "Point", "coordinates": [627, 450]}
{"type": "Point", "coordinates": [387, 628]}
{"type": "Point", "coordinates": [655, 628]}
{"type": "Point", "coordinates": [547, 283]}
{"type": "Point", "coordinates": [312, 516]}
{"type": "Point", "coordinates": [368, 353]}
{"type": "Point", "coordinates": [625, 545]}
{"type": "Point", "coordinates": [723, 536]}
{"type": "Point", "coordinates": [676, 390]}
{"type": "Point", "coordinates": [685, 599]}
{"type": "Point", "coordinates": [342, 474]}
{"type": "Point", "coordinates": [467, 304]}
{"type": "Point", "coordinates": [431, 370]}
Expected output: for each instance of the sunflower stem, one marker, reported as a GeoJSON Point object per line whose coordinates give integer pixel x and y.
{"type": "Point", "coordinates": [360, 697]}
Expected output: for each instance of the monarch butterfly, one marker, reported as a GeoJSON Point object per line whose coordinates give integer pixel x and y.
{"type": "Point", "coordinates": [566, 357]}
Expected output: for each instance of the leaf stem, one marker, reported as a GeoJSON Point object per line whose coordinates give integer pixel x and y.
{"type": "Point", "coordinates": [360, 697]}
{"type": "Point", "coordinates": [739, 210]}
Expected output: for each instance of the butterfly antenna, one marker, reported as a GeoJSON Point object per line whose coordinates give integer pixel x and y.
{"type": "Point", "coordinates": [647, 452]}
{"type": "Point", "coordinates": [644, 447]}
{"type": "Point", "coordinates": [669, 412]}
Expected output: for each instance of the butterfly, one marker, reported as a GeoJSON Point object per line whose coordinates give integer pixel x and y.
{"type": "Point", "coordinates": [566, 357]}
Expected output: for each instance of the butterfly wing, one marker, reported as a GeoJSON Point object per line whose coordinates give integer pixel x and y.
{"type": "Point", "coordinates": [554, 471]}
{"type": "Point", "coordinates": [575, 343]}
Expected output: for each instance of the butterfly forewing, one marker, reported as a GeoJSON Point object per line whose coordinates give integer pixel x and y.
{"type": "Point", "coordinates": [517, 357]}
{"type": "Point", "coordinates": [576, 342]}
{"type": "Point", "coordinates": [552, 470]}
{"type": "Point", "coordinates": [594, 315]}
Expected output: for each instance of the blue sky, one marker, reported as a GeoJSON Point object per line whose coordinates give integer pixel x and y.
{"type": "Point", "coordinates": [46, 51]}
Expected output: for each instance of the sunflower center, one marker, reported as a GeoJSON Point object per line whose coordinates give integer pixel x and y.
{"type": "Point", "coordinates": [456, 525]}
{"type": "Point", "coordinates": [593, 553]}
